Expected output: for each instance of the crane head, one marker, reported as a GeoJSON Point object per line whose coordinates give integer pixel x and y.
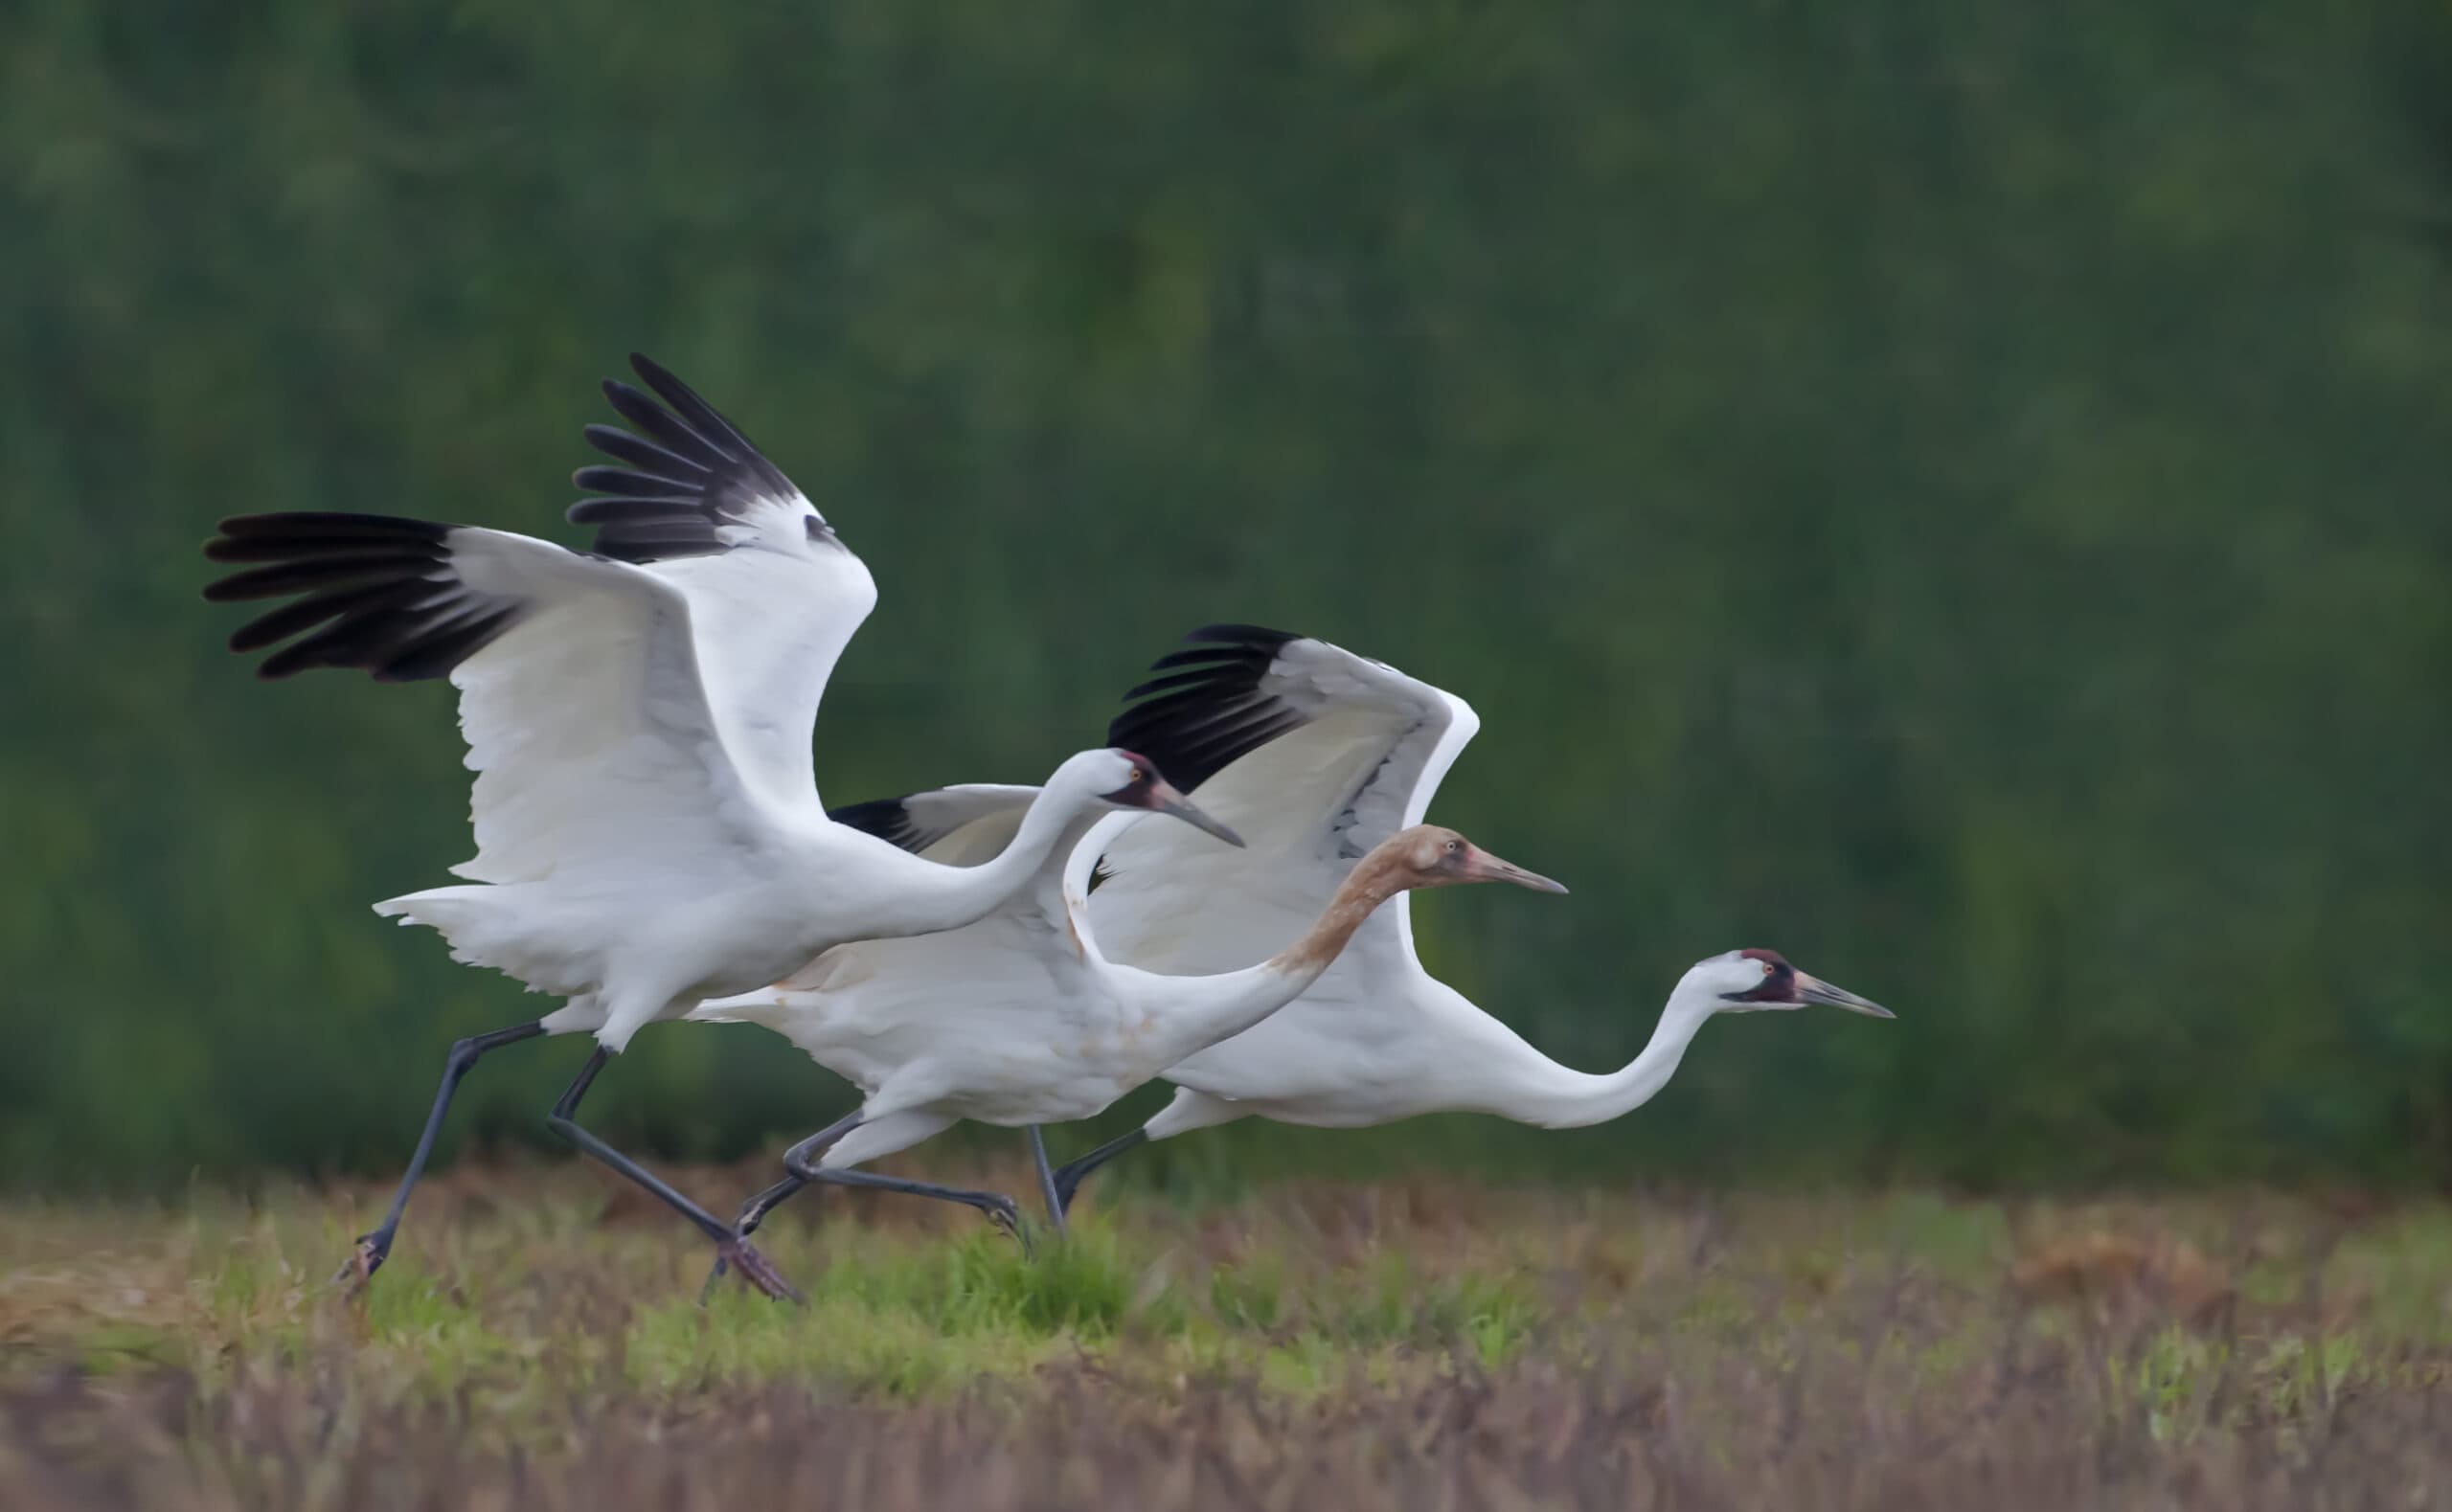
{"type": "Point", "coordinates": [1137, 784]}
{"type": "Point", "coordinates": [1433, 856]}
{"type": "Point", "coordinates": [1756, 980]}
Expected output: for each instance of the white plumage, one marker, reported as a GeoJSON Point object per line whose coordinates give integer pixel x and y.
{"type": "Point", "coordinates": [650, 839]}
{"type": "Point", "coordinates": [638, 717]}
{"type": "Point", "coordinates": [648, 830]}
{"type": "Point", "coordinates": [1315, 755]}
{"type": "Point", "coordinates": [1017, 1018]}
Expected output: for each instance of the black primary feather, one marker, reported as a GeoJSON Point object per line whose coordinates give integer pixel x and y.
{"type": "Point", "coordinates": [889, 819]}
{"type": "Point", "coordinates": [685, 470]}
{"type": "Point", "coordinates": [1208, 711]}
{"type": "Point", "coordinates": [379, 594]}
{"type": "Point", "coordinates": [917, 821]}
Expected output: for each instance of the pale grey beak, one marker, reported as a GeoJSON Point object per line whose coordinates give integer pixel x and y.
{"type": "Point", "coordinates": [1164, 799]}
{"type": "Point", "coordinates": [1486, 868]}
{"type": "Point", "coordinates": [1813, 989]}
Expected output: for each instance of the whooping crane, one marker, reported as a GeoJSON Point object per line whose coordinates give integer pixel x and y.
{"type": "Point", "coordinates": [1019, 1019]}
{"type": "Point", "coordinates": [647, 824]}
{"type": "Point", "coordinates": [1316, 755]}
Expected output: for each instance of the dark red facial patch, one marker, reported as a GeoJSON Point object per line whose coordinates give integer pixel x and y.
{"type": "Point", "coordinates": [1778, 982]}
{"type": "Point", "coordinates": [1139, 788]}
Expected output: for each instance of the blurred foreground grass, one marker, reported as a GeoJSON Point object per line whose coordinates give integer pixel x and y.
{"type": "Point", "coordinates": [536, 1341]}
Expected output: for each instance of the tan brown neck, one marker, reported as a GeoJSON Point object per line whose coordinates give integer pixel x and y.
{"type": "Point", "coordinates": [1375, 879]}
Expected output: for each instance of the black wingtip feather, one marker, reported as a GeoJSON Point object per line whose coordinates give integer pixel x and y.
{"type": "Point", "coordinates": [1208, 711]}
{"type": "Point", "coordinates": [380, 595]}
{"type": "Point", "coordinates": [681, 455]}
{"type": "Point", "coordinates": [437, 656]}
{"type": "Point", "coordinates": [640, 453]}
{"type": "Point", "coordinates": [629, 483]}
{"type": "Point", "coordinates": [1243, 635]}
{"type": "Point", "coordinates": [889, 819]}
{"type": "Point", "coordinates": [294, 524]}
{"type": "Point", "coordinates": [298, 574]}
{"type": "Point", "coordinates": [700, 415]}
{"type": "Point", "coordinates": [279, 624]}
{"type": "Point", "coordinates": [627, 512]}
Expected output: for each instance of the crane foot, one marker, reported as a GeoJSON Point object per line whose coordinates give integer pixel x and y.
{"type": "Point", "coordinates": [1002, 1213]}
{"type": "Point", "coordinates": [739, 1254]}
{"type": "Point", "coordinates": [364, 1260]}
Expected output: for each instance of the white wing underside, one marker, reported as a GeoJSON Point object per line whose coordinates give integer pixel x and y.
{"type": "Point", "coordinates": [660, 715]}
{"type": "Point", "coordinates": [588, 725]}
{"type": "Point", "coordinates": [770, 624]}
{"type": "Point", "coordinates": [637, 716]}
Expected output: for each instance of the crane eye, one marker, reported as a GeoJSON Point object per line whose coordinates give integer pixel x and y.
{"type": "Point", "coordinates": [1451, 847]}
{"type": "Point", "coordinates": [1134, 778]}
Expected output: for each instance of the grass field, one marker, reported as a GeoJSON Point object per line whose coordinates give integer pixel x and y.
{"type": "Point", "coordinates": [536, 1343]}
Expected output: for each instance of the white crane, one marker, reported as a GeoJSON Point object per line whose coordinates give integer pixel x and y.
{"type": "Point", "coordinates": [1316, 755]}
{"type": "Point", "coordinates": [1019, 1019]}
{"type": "Point", "coordinates": [647, 824]}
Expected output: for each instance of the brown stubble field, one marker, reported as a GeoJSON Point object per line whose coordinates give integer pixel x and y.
{"type": "Point", "coordinates": [536, 1343]}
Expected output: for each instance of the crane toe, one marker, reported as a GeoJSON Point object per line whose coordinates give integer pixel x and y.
{"type": "Point", "coordinates": [739, 1254]}
{"type": "Point", "coordinates": [364, 1260]}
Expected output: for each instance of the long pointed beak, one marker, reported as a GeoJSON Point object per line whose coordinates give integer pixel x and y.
{"type": "Point", "coordinates": [1164, 799]}
{"type": "Point", "coordinates": [1486, 868]}
{"type": "Point", "coordinates": [1813, 989]}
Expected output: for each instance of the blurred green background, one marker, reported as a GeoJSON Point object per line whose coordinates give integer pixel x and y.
{"type": "Point", "coordinates": [1955, 493]}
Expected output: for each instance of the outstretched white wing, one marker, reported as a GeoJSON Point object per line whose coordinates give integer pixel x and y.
{"type": "Point", "coordinates": [1313, 754]}
{"type": "Point", "coordinates": [587, 724]}
{"type": "Point", "coordinates": [774, 594]}
{"type": "Point", "coordinates": [610, 700]}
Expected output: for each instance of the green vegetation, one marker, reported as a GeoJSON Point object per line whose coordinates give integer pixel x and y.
{"type": "Point", "coordinates": [531, 1329]}
{"type": "Point", "coordinates": [1954, 493]}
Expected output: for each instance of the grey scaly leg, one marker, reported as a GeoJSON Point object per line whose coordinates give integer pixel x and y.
{"type": "Point", "coordinates": [729, 1247]}
{"type": "Point", "coordinates": [1068, 1181]}
{"type": "Point", "coordinates": [374, 1247]}
{"type": "Point", "coordinates": [1047, 1183]}
{"type": "Point", "coordinates": [801, 1160]}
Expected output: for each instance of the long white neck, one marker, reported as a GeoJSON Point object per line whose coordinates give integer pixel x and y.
{"type": "Point", "coordinates": [1046, 887]}
{"type": "Point", "coordinates": [1192, 1013]}
{"type": "Point", "coordinates": [1543, 1092]}
{"type": "Point", "coordinates": [933, 896]}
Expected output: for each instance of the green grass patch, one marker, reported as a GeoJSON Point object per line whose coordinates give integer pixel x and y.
{"type": "Point", "coordinates": [538, 1288]}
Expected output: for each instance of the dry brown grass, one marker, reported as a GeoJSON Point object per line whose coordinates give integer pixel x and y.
{"type": "Point", "coordinates": [1416, 1344]}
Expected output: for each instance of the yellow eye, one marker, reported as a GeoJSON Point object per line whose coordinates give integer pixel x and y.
{"type": "Point", "coordinates": [1135, 777]}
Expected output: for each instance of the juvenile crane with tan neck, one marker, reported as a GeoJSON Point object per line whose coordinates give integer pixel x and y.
{"type": "Point", "coordinates": [1019, 1020]}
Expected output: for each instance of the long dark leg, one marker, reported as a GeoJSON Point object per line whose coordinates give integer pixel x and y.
{"type": "Point", "coordinates": [374, 1248]}
{"type": "Point", "coordinates": [753, 1211]}
{"type": "Point", "coordinates": [801, 1160]}
{"type": "Point", "coordinates": [1047, 1183]}
{"type": "Point", "coordinates": [1068, 1181]}
{"type": "Point", "coordinates": [754, 1268]}
{"type": "Point", "coordinates": [998, 1208]}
